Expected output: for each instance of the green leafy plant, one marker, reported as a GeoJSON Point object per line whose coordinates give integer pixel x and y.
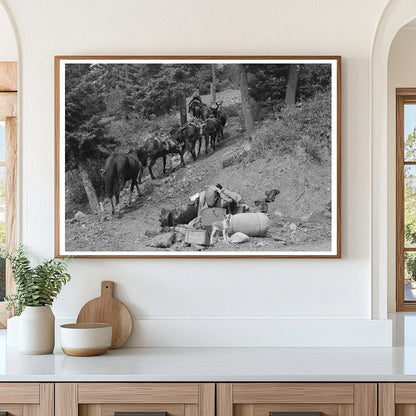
{"type": "Point", "coordinates": [35, 285]}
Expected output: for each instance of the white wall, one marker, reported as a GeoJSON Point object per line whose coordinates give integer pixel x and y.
{"type": "Point", "coordinates": [401, 74]}
{"type": "Point", "coordinates": [203, 302]}
{"type": "Point", "coordinates": [8, 47]}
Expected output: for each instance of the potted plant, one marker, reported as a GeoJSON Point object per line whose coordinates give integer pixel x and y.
{"type": "Point", "coordinates": [36, 289]}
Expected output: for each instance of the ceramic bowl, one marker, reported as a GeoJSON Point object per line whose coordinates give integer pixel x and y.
{"type": "Point", "coordinates": [83, 340]}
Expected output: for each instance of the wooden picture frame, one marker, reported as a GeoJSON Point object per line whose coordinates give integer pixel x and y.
{"type": "Point", "coordinates": [277, 156]}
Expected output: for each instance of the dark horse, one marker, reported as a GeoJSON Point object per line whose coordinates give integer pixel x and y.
{"type": "Point", "coordinates": [154, 148]}
{"type": "Point", "coordinates": [221, 116]}
{"type": "Point", "coordinates": [118, 169]}
{"type": "Point", "coordinates": [198, 109]}
{"type": "Point", "coordinates": [210, 129]}
{"type": "Point", "coordinates": [187, 136]}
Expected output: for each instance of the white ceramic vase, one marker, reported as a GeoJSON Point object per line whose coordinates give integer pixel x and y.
{"type": "Point", "coordinates": [37, 330]}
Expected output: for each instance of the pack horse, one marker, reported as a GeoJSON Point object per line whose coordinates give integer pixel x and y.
{"type": "Point", "coordinates": [118, 169]}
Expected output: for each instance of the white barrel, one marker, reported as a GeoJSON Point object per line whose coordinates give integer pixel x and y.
{"type": "Point", "coordinates": [253, 224]}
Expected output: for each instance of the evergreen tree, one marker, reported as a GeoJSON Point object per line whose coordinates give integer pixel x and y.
{"type": "Point", "coordinates": [84, 130]}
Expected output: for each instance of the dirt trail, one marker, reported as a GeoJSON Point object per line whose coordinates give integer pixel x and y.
{"type": "Point", "coordinates": [298, 216]}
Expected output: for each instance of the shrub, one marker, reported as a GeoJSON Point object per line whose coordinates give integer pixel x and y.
{"type": "Point", "coordinates": [304, 128]}
{"type": "Point", "coordinates": [233, 110]}
{"type": "Point", "coordinates": [35, 286]}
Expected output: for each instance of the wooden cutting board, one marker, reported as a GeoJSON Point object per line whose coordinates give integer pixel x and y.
{"type": "Point", "coordinates": [107, 309]}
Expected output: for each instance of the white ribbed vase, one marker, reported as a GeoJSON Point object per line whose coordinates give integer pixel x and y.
{"type": "Point", "coordinates": [37, 330]}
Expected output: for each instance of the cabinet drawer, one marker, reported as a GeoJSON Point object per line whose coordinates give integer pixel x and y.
{"type": "Point", "coordinates": [138, 393]}
{"type": "Point", "coordinates": [21, 399]}
{"type": "Point", "coordinates": [146, 399]}
{"type": "Point", "coordinates": [296, 399]}
{"type": "Point", "coordinates": [397, 399]}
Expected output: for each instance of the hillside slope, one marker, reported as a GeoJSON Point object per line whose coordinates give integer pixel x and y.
{"type": "Point", "coordinates": [300, 215]}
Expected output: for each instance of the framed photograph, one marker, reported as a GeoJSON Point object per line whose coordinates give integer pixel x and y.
{"type": "Point", "coordinates": [194, 156]}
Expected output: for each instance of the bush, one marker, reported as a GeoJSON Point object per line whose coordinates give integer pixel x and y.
{"type": "Point", "coordinates": [35, 285]}
{"type": "Point", "coordinates": [233, 110]}
{"type": "Point", "coordinates": [305, 128]}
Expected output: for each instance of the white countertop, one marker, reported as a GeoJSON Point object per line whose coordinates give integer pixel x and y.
{"type": "Point", "coordinates": [215, 364]}
{"type": "Point", "coordinates": [221, 364]}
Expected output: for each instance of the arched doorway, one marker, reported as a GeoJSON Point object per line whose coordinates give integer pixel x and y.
{"type": "Point", "coordinates": [396, 15]}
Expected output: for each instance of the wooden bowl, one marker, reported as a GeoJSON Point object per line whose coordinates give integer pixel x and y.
{"type": "Point", "coordinates": [84, 340]}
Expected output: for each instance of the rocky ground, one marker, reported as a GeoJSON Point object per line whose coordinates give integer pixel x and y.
{"type": "Point", "coordinates": [300, 216]}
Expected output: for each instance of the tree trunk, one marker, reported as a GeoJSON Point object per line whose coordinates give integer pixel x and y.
{"type": "Point", "coordinates": [88, 187]}
{"type": "Point", "coordinates": [292, 84]}
{"type": "Point", "coordinates": [245, 100]}
{"type": "Point", "coordinates": [213, 86]}
{"type": "Point", "coordinates": [182, 108]}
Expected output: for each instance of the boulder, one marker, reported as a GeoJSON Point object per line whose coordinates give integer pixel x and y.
{"type": "Point", "coordinates": [163, 240]}
{"type": "Point", "coordinates": [238, 238]}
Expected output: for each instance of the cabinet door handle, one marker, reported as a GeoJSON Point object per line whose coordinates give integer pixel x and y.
{"type": "Point", "coordinates": [139, 414]}
{"type": "Point", "coordinates": [295, 413]}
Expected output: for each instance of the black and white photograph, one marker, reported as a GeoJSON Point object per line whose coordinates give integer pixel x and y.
{"type": "Point", "coordinates": [197, 157]}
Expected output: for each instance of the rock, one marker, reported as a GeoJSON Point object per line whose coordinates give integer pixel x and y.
{"type": "Point", "coordinates": [179, 237]}
{"type": "Point", "coordinates": [180, 246]}
{"type": "Point", "coordinates": [292, 226]}
{"type": "Point", "coordinates": [197, 247]}
{"type": "Point", "coordinates": [79, 216]}
{"type": "Point", "coordinates": [163, 240]}
{"type": "Point", "coordinates": [150, 233]}
{"type": "Point", "coordinates": [238, 238]}
{"type": "Point", "coordinates": [278, 239]}
{"type": "Point", "coordinates": [260, 244]}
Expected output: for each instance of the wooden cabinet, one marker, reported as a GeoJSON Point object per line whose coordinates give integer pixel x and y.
{"type": "Point", "coordinates": [264, 399]}
{"type": "Point", "coordinates": [106, 399]}
{"type": "Point", "coordinates": [397, 399]}
{"type": "Point", "coordinates": [27, 399]}
{"type": "Point", "coordinates": [208, 399]}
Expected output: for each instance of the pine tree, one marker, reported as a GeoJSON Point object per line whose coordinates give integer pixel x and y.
{"type": "Point", "coordinates": [84, 130]}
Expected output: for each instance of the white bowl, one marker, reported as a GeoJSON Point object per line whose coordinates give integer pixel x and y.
{"type": "Point", "coordinates": [84, 340]}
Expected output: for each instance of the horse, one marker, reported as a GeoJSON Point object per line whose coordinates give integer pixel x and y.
{"type": "Point", "coordinates": [220, 115]}
{"type": "Point", "coordinates": [187, 136]}
{"type": "Point", "coordinates": [211, 128]}
{"type": "Point", "coordinates": [198, 109]}
{"type": "Point", "coordinates": [155, 148]}
{"type": "Point", "coordinates": [118, 169]}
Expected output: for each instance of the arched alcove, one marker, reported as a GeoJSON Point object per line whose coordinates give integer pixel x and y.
{"type": "Point", "coordinates": [401, 73]}
{"type": "Point", "coordinates": [396, 15]}
{"type": "Point", "coordinates": [8, 44]}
